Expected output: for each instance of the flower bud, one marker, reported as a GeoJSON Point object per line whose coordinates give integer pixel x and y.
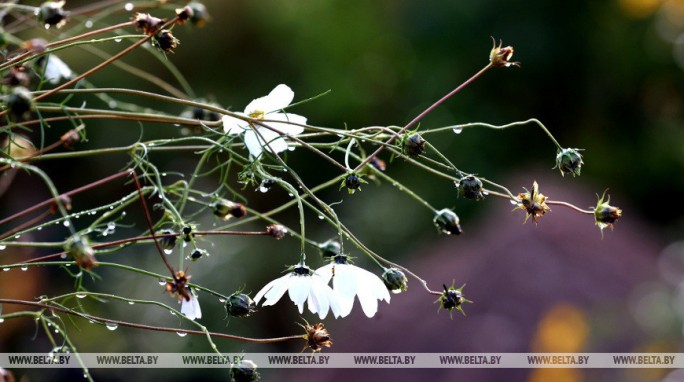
{"type": "Point", "coordinates": [277, 231]}
{"type": "Point", "coordinates": [352, 182]}
{"type": "Point", "coordinates": [470, 187]}
{"type": "Point", "coordinates": [606, 215]}
{"type": "Point", "coordinates": [148, 23]}
{"type": "Point", "coordinates": [187, 233]}
{"type": "Point", "coordinates": [70, 138]}
{"type": "Point", "coordinates": [330, 248]}
{"type": "Point", "coordinates": [395, 280]}
{"type": "Point", "coordinates": [452, 299]}
{"type": "Point", "coordinates": [245, 371]}
{"type": "Point", "coordinates": [240, 305]}
{"type": "Point", "coordinates": [500, 57]}
{"type": "Point", "coordinates": [165, 41]}
{"type": "Point", "coordinates": [167, 243]}
{"type": "Point", "coordinates": [533, 202]}
{"type": "Point", "coordinates": [200, 16]}
{"type": "Point", "coordinates": [225, 209]}
{"type": "Point", "coordinates": [317, 337]}
{"type": "Point", "coordinates": [569, 161]}
{"type": "Point", "coordinates": [19, 101]}
{"type": "Point", "coordinates": [51, 14]}
{"type": "Point", "coordinates": [447, 222]}
{"type": "Point", "coordinates": [77, 247]}
{"type": "Point", "coordinates": [414, 145]}
{"type": "Point", "coordinates": [198, 254]}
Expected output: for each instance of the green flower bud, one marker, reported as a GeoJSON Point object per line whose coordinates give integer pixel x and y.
{"type": "Point", "coordinates": [245, 371]}
{"type": "Point", "coordinates": [606, 215]}
{"type": "Point", "coordinates": [165, 41]}
{"type": "Point", "coordinates": [225, 209]}
{"type": "Point", "coordinates": [395, 280]}
{"type": "Point", "coordinates": [330, 248]}
{"type": "Point", "coordinates": [352, 182]}
{"type": "Point", "coordinates": [199, 16]}
{"type": "Point", "coordinates": [569, 161]}
{"type": "Point", "coordinates": [78, 248]}
{"type": "Point", "coordinates": [452, 299]}
{"type": "Point", "coordinates": [240, 305]}
{"type": "Point", "coordinates": [414, 145]}
{"type": "Point", "coordinates": [470, 187]}
{"type": "Point", "coordinates": [447, 222]}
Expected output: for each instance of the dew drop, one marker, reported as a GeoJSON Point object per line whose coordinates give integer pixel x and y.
{"type": "Point", "coordinates": [39, 228]}
{"type": "Point", "coordinates": [89, 24]}
{"type": "Point", "coordinates": [116, 40]}
{"type": "Point", "coordinates": [80, 295]}
{"type": "Point", "coordinates": [485, 192]}
{"type": "Point", "coordinates": [17, 236]}
{"type": "Point", "coordinates": [111, 326]}
{"type": "Point", "coordinates": [168, 251]}
{"type": "Point", "coordinates": [2, 320]}
{"type": "Point", "coordinates": [263, 189]}
{"type": "Point", "coordinates": [321, 217]}
{"type": "Point", "coordinates": [47, 26]}
{"type": "Point", "coordinates": [131, 303]}
{"type": "Point", "coordinates": [173, 313]}
{"type": "Point", "coordinates": [162, 282]}
{"type": "Point", "coordinates": [163, 174]}
{"type": "Point", "coordinates": [62, 256]}
{"type": "Point", "coordinates": [513, 202]}
{"type": "Point", "coordinates": [2, 247]}
{"type": "Point", "coordinates": [66, 223]}
{"type": "Point", "coordinates": [5, 269]}
{"type": "Point", "coordinates": [85, 375]}
{"type": "Point", "coordinates": [128, 6]}
{"type": "Point", "coordinates": [457, 130]}
{"type": "Point", "coordinates": [25, 268]}
{"type": "Point", "coordinates": [290, 194]}
{"type": "Point", "coordinates": [222, 300]}
{"type": "Point", "coordinates": [182, 334]}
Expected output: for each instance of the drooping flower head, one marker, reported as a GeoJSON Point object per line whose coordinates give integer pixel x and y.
{"type": "Point", "coordinates": [302, 285]}
{"type": "Point", "coordinates": [256, 136]}
{"type": "Point", "coordinates": [350, 281]}
{"type": "Point", "coordinates": [606, 215]}
{"type": "Point", "coordinates": [451, 299]}
{"type": "Point", "coordinates": [317, 337]}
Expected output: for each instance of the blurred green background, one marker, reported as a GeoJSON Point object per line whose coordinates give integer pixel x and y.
{"type": "Point", "coordinates": [607, 77]}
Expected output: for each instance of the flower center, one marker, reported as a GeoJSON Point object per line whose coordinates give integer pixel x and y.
{"type": "Point", "coordinates": [341, 259]}
{"type": "Point", "coordinates": [257, 114]}
{"type": "Point", "coordinates": [302, 270]}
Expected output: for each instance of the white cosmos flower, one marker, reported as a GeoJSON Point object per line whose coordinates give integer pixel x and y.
{"type": "Point", "coordinates": [350, 281]}
{"type": "Point", "coordinates": [269, 108]}
{"type": "Point", "coordinates": [56, 70]}
{"type": "Point", "coordinates": [302, 285]}
{"type": "Point", "coordinates": [191, 309]}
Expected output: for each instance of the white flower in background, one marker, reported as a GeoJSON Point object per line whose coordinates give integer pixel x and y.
{"type": "Point", "coordinates": [56, 70]}
{"type": "Point", "coordinates": [268, 108]}
{"type": "Point", "coordinates": [191, 309]}
{"type": "Point", "coordinates": [302, 285]}
{"type": "Point", "coordinates": [350, 281]}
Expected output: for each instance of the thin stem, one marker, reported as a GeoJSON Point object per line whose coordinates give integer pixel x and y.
{"type": "Point", "coordinates": [423, 114]}
{"type": "Point", "coordinates": [105, 321]}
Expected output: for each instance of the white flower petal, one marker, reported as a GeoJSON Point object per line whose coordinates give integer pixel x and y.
{"type": "Point", "coordinates": [233, 126]}
{"type": "Point", "coordinates": [285, 127]}
{"type": "Point", "coordinates": [345, 303]}
{"type": "Point", "coordinates": [191, 309]}
{"type": "Point", "coordinates": [273, 291]}
{"type": "Point", "coordinates": [319, 298]}
{"type": "Point", "coordinates": [255, 142]}
{"type": "Point", "coordinates": [345, 280]}
{"type": "Point", "coordinates": [279, 98]}
{"type": "Point", "coordinates": [56, 70]}
{"type": "Point", "coordinates": [299, 289]}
